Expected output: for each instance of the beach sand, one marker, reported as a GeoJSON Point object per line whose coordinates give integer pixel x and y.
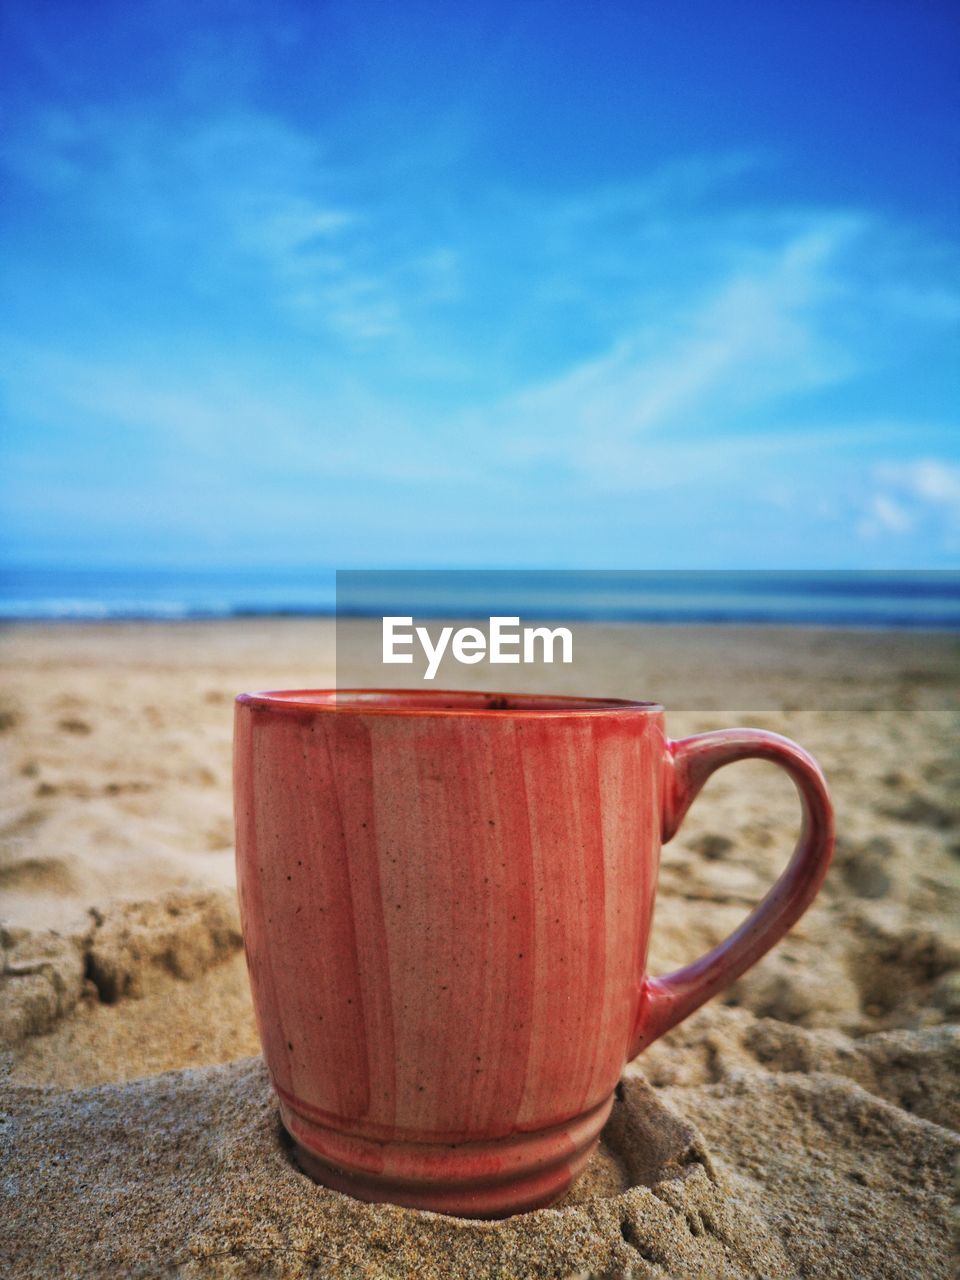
{"type": "Point", "coordinates": [803, 1124]}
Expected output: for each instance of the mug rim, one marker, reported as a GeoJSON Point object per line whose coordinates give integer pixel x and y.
{"type": "Point", "coordinates": [429, 702]}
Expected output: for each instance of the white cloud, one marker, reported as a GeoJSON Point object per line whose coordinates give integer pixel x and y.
{"type": "Point", "coordinates": [915, 494]}
{"type": "Point", "coordinates": [930, 481]}
{"type": "Point", "coordinates": [749, 341]}
{"type": "Point", "coordinates": [884, 515]}
{"type": "Point", "coordinates": [292, 225]}
{"type": "Point", "coordinates": [236, 196]}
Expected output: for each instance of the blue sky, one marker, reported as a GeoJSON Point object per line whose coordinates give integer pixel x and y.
{"type": "Point", "coordinates": [619, 285]}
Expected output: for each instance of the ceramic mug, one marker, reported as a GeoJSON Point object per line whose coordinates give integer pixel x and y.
{"type": "Point", "coordinates": [446, 903]}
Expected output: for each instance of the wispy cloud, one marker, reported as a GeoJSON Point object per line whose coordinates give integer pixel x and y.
{"type": "Point", "coordinates": [931, 481]}
{"type": "Point", "coordinates": [239, 200]}
{"type": "Point", "coordinates": [884, 515]}
{"type": "Point", "coordinates": [915, 494]}
{"type": "Point", "coordinates": [750, 340]}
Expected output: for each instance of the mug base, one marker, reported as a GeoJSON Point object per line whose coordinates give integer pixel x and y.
{"type": "Point", "coordinates": [491, 1179]}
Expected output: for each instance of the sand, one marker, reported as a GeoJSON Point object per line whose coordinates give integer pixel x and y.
{"type": "Point", "coordinates": [802, 1125]}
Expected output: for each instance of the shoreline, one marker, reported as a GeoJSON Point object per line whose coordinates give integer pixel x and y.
{"type": "Point", "coordinates": [776, 625]}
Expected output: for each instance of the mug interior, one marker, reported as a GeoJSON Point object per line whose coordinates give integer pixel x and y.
{"type": "Point", "coordinates": [438, 702]}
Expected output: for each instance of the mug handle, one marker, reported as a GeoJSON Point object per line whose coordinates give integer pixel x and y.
{"type": "Point", "coordinates": [689, 763]}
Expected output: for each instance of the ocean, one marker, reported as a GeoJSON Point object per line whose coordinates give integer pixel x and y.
{"type": "Point", "coordinates": [926, 600]}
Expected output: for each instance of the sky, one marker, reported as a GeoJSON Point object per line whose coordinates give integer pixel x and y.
{"type": "Point", "coordinates": [526, 284]}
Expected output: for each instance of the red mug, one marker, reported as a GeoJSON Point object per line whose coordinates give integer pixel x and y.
{"type": "Point", "coordinates": [446, 903]}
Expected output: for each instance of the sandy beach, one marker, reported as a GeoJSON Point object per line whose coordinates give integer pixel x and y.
{"type": "Point", "coordinates": [804, 1124]}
